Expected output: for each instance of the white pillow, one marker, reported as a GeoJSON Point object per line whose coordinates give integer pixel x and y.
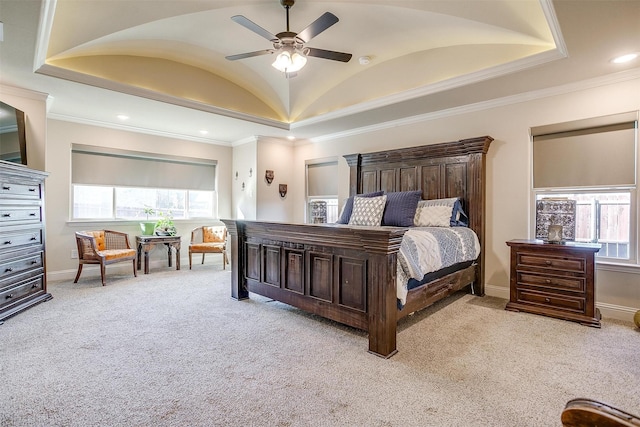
{"type": "Point", "coordinates": [433, 216]}
{"type": "Point", "coordinates": [368, 210]}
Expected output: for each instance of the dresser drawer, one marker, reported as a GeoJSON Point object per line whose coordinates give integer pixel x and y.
{"type": "Point", "coordinates": [20, 264]}
{"type": "Point", "coordinates": [19, 191]}
{"type": "Point", "coordinates": [558, 302]}
{"type": "Point", "coordinates": [21, 290]}
{"type": "Point", "coordinates": [577, 284]}
{"type": "Point", "coordinates": [20, 238]}
{"type": "Point", "coordinates": [10, 215]}
{"type": "Point", "coordinates": [571, 264]}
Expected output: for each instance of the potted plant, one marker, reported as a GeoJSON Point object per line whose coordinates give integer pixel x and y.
{"type": "Point", "coordinates": [165, 226]}
{"type": "Point", "coordinates": [148, 227]}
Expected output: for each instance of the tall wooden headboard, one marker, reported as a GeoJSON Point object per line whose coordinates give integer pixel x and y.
{"type": "Point", "coordinates": [450, 169]}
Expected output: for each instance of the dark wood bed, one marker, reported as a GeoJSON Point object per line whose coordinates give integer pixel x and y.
{"type": "Point", "coordinates": [348, 274]}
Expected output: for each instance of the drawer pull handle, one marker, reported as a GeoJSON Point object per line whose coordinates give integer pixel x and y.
{"type": "Point", "coordinates": [547, 262]}
{"type": "Point", "coordinates": [8, 270]}
{"type": "Point", "coordinates": [34, 262]}
{"type": "Point", "coordinates": [33, 238]}
{"type": "Point", "coordinates": [546, 300]}
{"type": "Point", "coordinates": [35, 285]}
{"type": "Point", "coordinates": [548, 281]}
{"type": "Point", "coordinates": [6, 215]}
{"type": "Point", "coordinates": [6, 187]}
{"type": "Point", "coordinates": [9, 296]}
{"type": "Point", "coordinates": [7, 242]}
{"type": "Point", "coordinates": [32, 214]}
{"type": "Point", "coordinates": [32, 189]}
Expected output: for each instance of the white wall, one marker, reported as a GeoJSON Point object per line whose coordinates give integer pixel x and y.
{"type": "Point", "coordinates": [244, 199]}
{"type": "Point", "coordinates": [509, 194]}
{"type": "Point", "coordinates": [60, 231]}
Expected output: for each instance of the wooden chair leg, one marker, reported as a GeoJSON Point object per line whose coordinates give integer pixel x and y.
{"type": "Point", "coordinates": [79, 271]}
{"type": "Point", "coordinates": [135, 270]}
{"type": "Point", "coordinates": [102, 273]}
{"type": "Point", "coordinates": [203, 258]}
{"type": "Point", "coordinates": [189, 260]}
{"type": "Point", "coordinates": [224, 260]}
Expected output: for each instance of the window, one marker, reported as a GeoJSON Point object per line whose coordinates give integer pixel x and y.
{"type": "Point", "coordinates": [322, 190]}
{"type": "Point", "coordinates": [593, 161]}
{"type": "Point", "coordinates": [126, 182]}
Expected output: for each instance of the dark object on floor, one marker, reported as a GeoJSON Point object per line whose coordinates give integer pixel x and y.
{"type": "Point", "coordinates": [591, 413]}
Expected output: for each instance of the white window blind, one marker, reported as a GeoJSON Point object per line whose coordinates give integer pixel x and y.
{"type": "Point", "coordinates": [322, 178]}
{"type": "Point", "coordinates": [102, 166]}
{"type": "Point", "coordinates": [586, 153]}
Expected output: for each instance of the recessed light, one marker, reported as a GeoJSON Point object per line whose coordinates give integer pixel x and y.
{"type": "Point", "coordinates": [624, 58]}
{"type": "Point", "coordinates": [123, 117]}
{"type": "Point", "coordinates": [291, 137]}
{"type": "Point", "coordinates": [364, 60]}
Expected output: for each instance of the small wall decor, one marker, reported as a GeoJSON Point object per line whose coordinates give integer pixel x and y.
{"type": "Point", "coordinates": [283, 190]}
{"type": "Point", "coordinates": [268, 176]}
{"type": "Point", "coordinates": [250, 172]}
{"type": "Point", "coordinates": [559, 212]}
{"type": "Point", "coordinates": [243, 186]}
{"type": "Point", "coordinates": [236, 174]}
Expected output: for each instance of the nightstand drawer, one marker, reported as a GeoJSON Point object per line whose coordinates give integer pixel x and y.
{"type": "Point", "coordinates": [572, 264]}
{"type": "Point", "coordinates": [560, 302]}
{"type": "Point", "coordinates": [576, 284]}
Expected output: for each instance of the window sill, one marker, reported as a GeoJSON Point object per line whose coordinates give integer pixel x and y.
{"type": "Point", "coordinates": [82, 222]}
{"type": "Point", "coordinates": [618, 268]}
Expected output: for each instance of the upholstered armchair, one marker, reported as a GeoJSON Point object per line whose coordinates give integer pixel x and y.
{"type": "Point", "coordinates": [103, 247]}
{"type": "Point", "coordinates": [207, 240]}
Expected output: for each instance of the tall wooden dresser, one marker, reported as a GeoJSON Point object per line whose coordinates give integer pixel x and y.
{"type": "Point", "coordinates": [23, 280]}
{"type": "Point", "coordinates": [556, 280]}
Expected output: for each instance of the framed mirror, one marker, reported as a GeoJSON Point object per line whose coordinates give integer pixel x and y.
{"type": "Point", "coordinates": [13, 141]}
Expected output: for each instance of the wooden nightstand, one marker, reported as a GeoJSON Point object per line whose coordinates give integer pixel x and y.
{"type": "Point", "coordinates": [556, 280]}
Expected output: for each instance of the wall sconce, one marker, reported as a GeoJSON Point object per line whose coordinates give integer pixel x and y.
{"type": "Point", "coordinates": [236, 174]}
{"type": "Point", "coordinates": [250, 172]}
{"type": "Point", "coordinates": [243, 186]}
{"type": "Point", "coordinates": [283, 190]}
{"type": "Point", "coordinates": [268, 176]}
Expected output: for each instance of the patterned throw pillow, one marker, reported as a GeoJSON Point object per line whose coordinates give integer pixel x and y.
{"type": "Point", "coordinates": [457, 217]}
{"type": "Point", "coordinates": [345, 215]}
{"type": "Point", "coordinates": [367, 210]}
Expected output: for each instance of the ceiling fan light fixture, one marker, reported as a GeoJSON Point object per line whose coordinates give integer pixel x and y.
{"type": "Point", "coordinates": [289, 60]}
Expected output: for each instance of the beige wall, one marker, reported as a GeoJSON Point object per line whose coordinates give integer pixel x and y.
{"type": "Point", "coordinates": [275, 155]}
{"type": "Point", "coordinates": [34, 105]}
{"type": "Point", "coordinates": [61, 135]}
{"type": "Point", "coordinates": [245, 200]}
{"type": "Point", "coordinates": [509, 194]}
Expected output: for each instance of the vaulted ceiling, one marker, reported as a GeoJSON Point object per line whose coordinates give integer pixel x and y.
{"type": "Point", "coordinates": [163, 63]}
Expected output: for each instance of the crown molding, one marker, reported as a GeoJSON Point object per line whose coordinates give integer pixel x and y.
{"type": "Point", "coordinates": [135, 129]}
{"type": "Point", "coordinates": [487, 105]}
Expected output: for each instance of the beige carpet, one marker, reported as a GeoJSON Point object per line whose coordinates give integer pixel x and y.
{"type": "Point", "coordinates": [173, 349]}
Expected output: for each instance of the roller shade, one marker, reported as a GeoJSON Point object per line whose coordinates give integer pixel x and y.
{"type": "Point", "coordinates": [97, 166]}
{"type": "Point", "coordinates": [603, 154]}
{"type": "Point", "coordinates": [322, 178]}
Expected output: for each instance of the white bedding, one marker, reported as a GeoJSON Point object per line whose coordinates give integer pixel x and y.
{"type": "Point", "coordinates": [428, 249]}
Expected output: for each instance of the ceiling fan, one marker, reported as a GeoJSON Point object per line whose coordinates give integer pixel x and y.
{"type": "Point", "coordinates": [289, 46]}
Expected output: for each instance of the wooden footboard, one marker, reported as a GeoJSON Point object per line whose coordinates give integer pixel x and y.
{"type": "Point", "coordinates": [346, 274]}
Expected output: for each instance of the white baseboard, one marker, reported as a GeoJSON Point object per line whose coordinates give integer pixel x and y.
{"type": "Point", "coordinates": [93, 271]}
{"type": "Point", "coordinates": [610, 311]}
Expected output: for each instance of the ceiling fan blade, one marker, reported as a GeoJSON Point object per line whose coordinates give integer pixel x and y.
{"type": "Point", "coordinates": [329, 54]}
{"type": "Point", "coordinates": [318, 26]}
{"type": "Point", "coordinates": [250, 25]}
{"type": "Point", "coordinates": [249, 54]}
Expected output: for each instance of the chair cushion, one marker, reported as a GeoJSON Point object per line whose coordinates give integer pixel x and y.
{"type": "Point", "coordinates": [212, 234]}
{"type": "Point", "coordinates": [111, 254]}
{"type": "Point", "coordinates": [206, 247]}
{"type": "Point", "coordinates": [99, 238]}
